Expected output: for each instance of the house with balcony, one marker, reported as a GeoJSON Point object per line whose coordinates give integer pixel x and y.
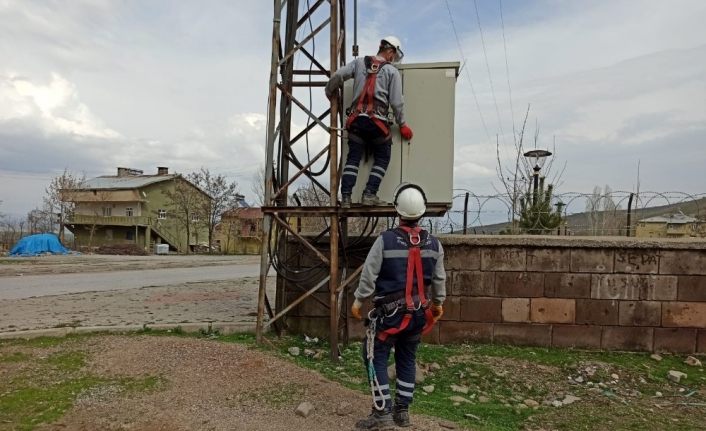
{"type": "Point", "coordinates": [131, 207]}
{"type": "Point", "coordinates": [674, 226]}
{"type": "Point", "coordinates": [240, 229]}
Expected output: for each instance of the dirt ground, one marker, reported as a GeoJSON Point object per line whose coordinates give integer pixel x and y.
{"type": "Point", "coordinates": [208, 385]}
{"type": "Point", "coordinates": [58, 264]}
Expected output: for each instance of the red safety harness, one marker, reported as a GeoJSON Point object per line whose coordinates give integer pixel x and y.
{"type": "Point", "coordinates": [414, 267]}
{"type": "Point", "coordinates": [366, 101]}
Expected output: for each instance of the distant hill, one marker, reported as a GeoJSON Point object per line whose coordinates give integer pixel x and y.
{"type": "Point", "coordinates": [579, 224]}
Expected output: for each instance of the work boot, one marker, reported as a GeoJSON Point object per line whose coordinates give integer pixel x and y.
{"type": "Point", "coordinates": [346, 201]}
{"type": "Point", "coordinates": [400, 414]}
{"type": "Point", "coordinates": [372, 200]}
{"type": "Point", "coordinates": [378, 420]}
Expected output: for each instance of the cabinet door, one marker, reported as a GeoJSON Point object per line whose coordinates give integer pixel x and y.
{"type": "Point", "coordinates": [429, 109]}
{"type": "Point", "coordinates": [428, 159]}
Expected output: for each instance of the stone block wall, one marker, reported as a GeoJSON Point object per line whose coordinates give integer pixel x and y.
{"type": "Point", "coordinates": [613, 294]}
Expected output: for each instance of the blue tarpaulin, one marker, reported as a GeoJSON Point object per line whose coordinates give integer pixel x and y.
{"type": "Point", "coordinates": [34, 245]}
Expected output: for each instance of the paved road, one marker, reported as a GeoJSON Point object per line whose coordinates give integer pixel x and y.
{"type": "Point", "coordinates": [58, 284]}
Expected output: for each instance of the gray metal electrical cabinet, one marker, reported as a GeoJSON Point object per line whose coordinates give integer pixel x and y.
{"type": "Point", "coordinates": [427, 160]}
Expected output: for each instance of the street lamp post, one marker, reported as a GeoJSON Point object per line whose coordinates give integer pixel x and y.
{"type": "Point", "coordinates": [537, 159]}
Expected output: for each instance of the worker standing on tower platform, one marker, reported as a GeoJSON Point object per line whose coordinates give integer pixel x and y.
{"type": "Point", "coordinates": [377, 86]}
{"type": "Point", "coordinates": [402, 264]}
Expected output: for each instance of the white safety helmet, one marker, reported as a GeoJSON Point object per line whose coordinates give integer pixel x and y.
{"type": "Point", "coordinates": [410, 201]}
{"type": "Point", "coordinates": [392, 41]}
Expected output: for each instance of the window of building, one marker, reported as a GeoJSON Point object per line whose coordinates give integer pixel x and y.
{"type": "Point", "coordinates": [109, 234]}
{"type": "Point", "coordinates": [107, 211]}
{"type": "Point", "coordinates": [162, 214]}
{"type": "Point", "coordinates": [128, 212]}
{"type": "Point", "coordinates": [130, 235]}
{"type": "Point", "coordinates": [195, 218]}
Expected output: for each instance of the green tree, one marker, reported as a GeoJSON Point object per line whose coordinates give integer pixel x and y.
{"type": "Point", "coordinates": [537, 216]}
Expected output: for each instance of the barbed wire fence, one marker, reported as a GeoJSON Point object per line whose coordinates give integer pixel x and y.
{"type": "Point", "coordinates": [616, 213]}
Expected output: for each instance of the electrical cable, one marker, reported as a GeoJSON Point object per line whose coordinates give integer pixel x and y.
{"type": "Point", "coordinates": [487, 66]}
{"type": "Point", "coordinates": [507, 70]}
{"type": "Point", "coordinates": [468, 74]}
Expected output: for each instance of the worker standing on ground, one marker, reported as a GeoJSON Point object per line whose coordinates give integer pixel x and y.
{"type": "Point", "coordinates": [377, 86]}
{"type": "Point", "coordinates": [402, 264]}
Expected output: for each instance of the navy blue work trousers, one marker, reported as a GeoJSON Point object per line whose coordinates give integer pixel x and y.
{"type": "Point", "coordinates": [364, 134]}
{"type": "Point", "coordinates": [405, 344]}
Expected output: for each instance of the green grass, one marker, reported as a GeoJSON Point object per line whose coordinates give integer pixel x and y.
{"type": "Point", "coordinates": [506, 375]}
{"type": "Point", "coordinates": [67, 361]}
{"type": "Point", "coordinates": [26, 405]}
{"type": "Point", "coordinates": [43, 342]}
{"type": "Point", "coordinates": [44, 385]}
{"type": "Point", "coordinates": [14, 357]}
{"type": "Point", "coordinates": [489, 370]}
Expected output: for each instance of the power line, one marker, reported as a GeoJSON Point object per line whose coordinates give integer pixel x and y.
{"type": "Point", "coordinates": [468, 74]}
{"type": "Point", "coordinates": [487, 65]}
{"type": "Point", "coordinates": [507, 70]}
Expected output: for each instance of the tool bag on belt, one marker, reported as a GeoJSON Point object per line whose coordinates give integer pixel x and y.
{"type": "Point", "coordinates": [414, 269]}
{"type": "Point", "coordinates": [367, 105]}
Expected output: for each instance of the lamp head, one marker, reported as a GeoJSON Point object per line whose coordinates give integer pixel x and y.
{"type": "Point", "coordinates": [537, 158]}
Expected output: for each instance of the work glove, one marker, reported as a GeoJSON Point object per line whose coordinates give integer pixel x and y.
{"type": "Point", "coordinates": [437, 310]}
{"type": "Point", "coordinates": [406, 132]}
{"type": "Point", "coordinates": [355, 309]}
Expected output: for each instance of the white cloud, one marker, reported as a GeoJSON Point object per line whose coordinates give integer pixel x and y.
{"type": "Point", "coordinates": [55, 106]}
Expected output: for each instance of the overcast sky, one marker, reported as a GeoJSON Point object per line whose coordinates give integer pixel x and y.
{"type": "Point", "coordinates": [90, 85]}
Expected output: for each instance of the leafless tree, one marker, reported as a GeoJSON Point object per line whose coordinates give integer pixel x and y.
{"type": "Point", "coordinates": [602, 212]}
{"type": "Point", "coordinates": [39, 220]}
{"type": "Point", "coordinates": [58, 198]}
{"type": "Point", "coordinates": [186, 201]}
{"type": "Point", "coordinates": [223, 196]}
{"type": "Point", "coordinates": [516, 177]}
{"type": "Point", "coordinates": [258, 186]}
{"type": "Point", "coordinates": [11, 230]}
{"type": "Point", "coordinates": [99, 211]}
{"type": "Point", "coordinates": [308, 195]}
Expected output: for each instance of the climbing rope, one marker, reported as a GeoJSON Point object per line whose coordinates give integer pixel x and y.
{"type": "Point", "coordinates": [370, 353]}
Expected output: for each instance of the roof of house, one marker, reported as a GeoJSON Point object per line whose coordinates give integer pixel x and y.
{"type": "Point", "coordinates": [244, 213]}
{"type": "Point", "coordinates": [679, 218]}
{"type": "Point", "coordinates": [113, 182]}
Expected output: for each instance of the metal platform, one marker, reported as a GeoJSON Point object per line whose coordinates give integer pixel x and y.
{"type": "Point", "coordinates": [433, 210]}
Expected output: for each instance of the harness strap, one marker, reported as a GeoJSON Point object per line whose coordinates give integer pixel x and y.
{"type": "Point", "coordinates": [414, 268]}
{"type": "Point", "coordinates": [366, 101]}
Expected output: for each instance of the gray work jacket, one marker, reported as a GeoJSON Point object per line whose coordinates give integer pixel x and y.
{"type": "Point", "coordinates": [373, 264]}
{"type": "Point", "coordinates": [388, 86]}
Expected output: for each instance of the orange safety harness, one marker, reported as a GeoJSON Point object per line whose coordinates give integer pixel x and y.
{"type": "Point", "coordinates": [366, 101]}
{"type": "Point", "coordinates": [414, 267]}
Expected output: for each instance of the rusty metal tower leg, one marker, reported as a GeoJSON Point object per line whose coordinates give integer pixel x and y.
{"type": "Point", "coordinates": [333, 151]}
{"type": "Point", "coordinates": [269, 166]}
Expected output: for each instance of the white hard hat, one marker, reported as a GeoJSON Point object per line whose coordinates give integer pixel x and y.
{"type": "Point", "coordinates": [395, 43]}
{"type": "Point", "coordinates": [410, 201]}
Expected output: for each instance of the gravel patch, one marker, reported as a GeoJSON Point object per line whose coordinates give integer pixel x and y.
{"type": "Point", "coordinates": [210, 386]}
{"type": "Point", "coordinates": [213, 301]}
